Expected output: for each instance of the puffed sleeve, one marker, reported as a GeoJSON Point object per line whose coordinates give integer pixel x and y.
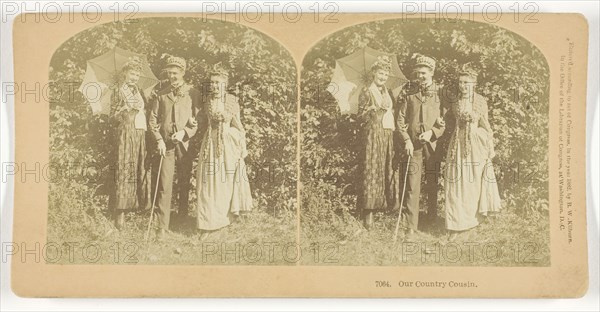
{"type": "Point", "coordinates": [440, 128]}
{"type": "Point", "coordinates": [367, 111]}
{"type": "Point", "coordinates": [364, 101]}
{"type": "Point", "coordinates": [191, 128]}
{"type": "Point", "coordinates": [236, 122]}
{"type": "Point", "coordinates": [117, 105]}
{"type": "Point", "coordinates": [485, 124]}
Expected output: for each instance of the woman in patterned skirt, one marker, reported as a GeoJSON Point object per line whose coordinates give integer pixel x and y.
{"type": "Point", "coordinates": [131, 187]}
{"type": "Point", "coordinates": [376, 112]}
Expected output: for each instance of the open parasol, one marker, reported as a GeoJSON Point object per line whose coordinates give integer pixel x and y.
{"type": "Point", "coordinates": [351, 74]}
{"type": "Point", "coordinates": [101, 78]}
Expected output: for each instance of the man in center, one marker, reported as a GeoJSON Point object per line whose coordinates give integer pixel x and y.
{"type": "Point", "coordinates": [173, 124]}
{"type": "Point", "coordinates": [420, 125]}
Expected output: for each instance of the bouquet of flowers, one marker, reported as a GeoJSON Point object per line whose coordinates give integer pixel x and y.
{"type": "Point", "coordinates": [217, 116]}
{"type": "Point", "coordinates": [465, 117]}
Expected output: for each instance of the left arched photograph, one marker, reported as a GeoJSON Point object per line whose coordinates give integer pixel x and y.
{"type": "Point", "coordinates": [177, 145]}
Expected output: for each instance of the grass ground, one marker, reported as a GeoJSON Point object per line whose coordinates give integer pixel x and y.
{"type": "Point", "coordinates": [81, 232]}
{"type": "Point", "coordinates": [504, 240]}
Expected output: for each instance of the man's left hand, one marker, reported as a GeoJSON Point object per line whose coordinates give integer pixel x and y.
{"type": "Point", "coordinates": [426, 136]}
{"type": "Point", "coordinates": [192, 122]}
{"type": "Point", "coordinates": [440, 122]}
{"type": "Point", "coordinates": [178, 136]}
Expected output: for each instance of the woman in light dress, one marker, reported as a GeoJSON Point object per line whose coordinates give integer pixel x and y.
{"type": "Point", "coordinates": [470, 183]}
{"type": "Point", "coordinates": [223, 189]}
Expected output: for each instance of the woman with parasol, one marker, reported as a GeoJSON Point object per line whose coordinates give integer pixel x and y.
{"type": "Point", "coordinates": [127, 115]}
{"type": "Point", "coordinates": [376, 112]}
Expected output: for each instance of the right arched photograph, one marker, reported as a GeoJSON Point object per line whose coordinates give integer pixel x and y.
{"type": "Point", "coordinates": [425, 143]}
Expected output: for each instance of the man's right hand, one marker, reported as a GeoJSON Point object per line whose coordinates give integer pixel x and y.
{"type": "Point", "coordinates": [408, 147]}
{"type": "Point", "coordinates": [162, 148]}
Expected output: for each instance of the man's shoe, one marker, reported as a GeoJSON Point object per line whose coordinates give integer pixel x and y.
{"type": "Point", "coordinates": [160, 234]}
{"type": "Point", "coordinates": [410, 235]}
{"type": "Point", "coordinates": [203, 235]}
{"type": "Point", "coordinates": [120, 220]}
{"type": "Point", "coordinates": [452, 237]}
{"type": "Point", "coordinates": [369, 220]}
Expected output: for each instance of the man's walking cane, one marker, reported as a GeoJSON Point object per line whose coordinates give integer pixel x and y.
{"type": "Point", "coordinates": [402, 200]}
{"type": "Point", "coordinates": [154, 199]}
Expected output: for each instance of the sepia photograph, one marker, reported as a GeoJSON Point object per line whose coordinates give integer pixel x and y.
{"type": "Point", "coordinates": [198, 154]}
{"type": "Point", "coordinates": [180, 141]}
{"type": "Point", "coordinates": [425, 143]}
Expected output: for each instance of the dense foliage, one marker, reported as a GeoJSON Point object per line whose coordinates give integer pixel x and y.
{"type": "Point", "coordinates": [514, 78]}
{"type": "Point", "coordinates": [263, 76]}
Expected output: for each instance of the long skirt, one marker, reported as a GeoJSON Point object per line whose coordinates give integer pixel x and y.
{"type": "Point", "coordinates": [469, 181]}
{"type": "Point", "coordinates": [379, 175]}
{"type": "Point", "coordinates": [131, 179]}
{"type": "Point", "coordinates": [222, 182]}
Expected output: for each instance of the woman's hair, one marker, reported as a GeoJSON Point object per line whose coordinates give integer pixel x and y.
{"type": "Point", "coordinates": [467, 70]}
{"type": "Point", "coordinates": [383, 62]}
{"type": "Point", "coordinates": [134, 63]}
